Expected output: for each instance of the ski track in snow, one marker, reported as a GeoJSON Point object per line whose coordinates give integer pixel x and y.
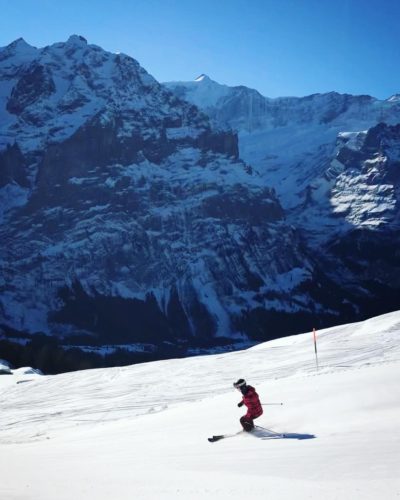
{"type": "Point", "coordinates": [141, 430]}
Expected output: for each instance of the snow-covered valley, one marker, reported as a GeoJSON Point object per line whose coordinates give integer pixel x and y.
{"type": "Point", "coordinates": [141, 431]}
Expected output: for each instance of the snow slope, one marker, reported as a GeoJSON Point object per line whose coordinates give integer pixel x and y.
{"type": "Point", "coordinates": [140, 431]}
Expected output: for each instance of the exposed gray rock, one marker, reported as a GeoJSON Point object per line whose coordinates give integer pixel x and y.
{"type": "Point", "coordinates": [35, 83]}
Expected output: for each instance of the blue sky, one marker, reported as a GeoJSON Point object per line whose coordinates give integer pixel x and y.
{"type": "Point", "coordinates": [279, 47]}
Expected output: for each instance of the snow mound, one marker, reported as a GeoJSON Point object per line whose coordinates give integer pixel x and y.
{"type": "Point", "coordinates": [27, 371]}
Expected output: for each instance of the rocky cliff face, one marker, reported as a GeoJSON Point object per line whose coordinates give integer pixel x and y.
{"type": "Point", "coordinates": [334, 161]}
{"type": "Point", "coordinates": [365, 197]}
{"type": "Point", "coordinates": [128, 218]}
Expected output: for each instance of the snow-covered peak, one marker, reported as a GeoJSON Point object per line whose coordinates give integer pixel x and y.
{"type": "Point", "coordinates": [202, 78]}
{"type": "Point", "coordinates": [203, 92]}
{"type": "Point", "coordinates": [394, 98]}
{"type": "Point", "coordinates": [19, 44]}
{"type": "Point", "coordinates": [17, 52]}
{"type": "Point", "coordinates": [77, 40]}
{"type": "Point", "coordinates": [47, 94]}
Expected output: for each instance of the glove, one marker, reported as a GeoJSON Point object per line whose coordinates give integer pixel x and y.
{"type": "Point", "coordinates": [240, 404]}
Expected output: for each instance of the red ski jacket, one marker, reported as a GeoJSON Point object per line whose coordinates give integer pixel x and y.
{"type": "Point", "coordinates": [252, 401]}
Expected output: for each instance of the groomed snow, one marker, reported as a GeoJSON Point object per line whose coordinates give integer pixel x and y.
{"type": "Point", "coordinates": [141, 431]}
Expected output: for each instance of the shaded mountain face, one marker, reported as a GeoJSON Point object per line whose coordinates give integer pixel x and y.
{"type": "Point", "coordinates": [126, 217]}
{"type": "Point", "coordinates": [129, 219]}
{"type": "Point", "coordinates": [334, 162]}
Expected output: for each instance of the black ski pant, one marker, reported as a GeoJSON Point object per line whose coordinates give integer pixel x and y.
{"type": "Point", "coordinates": [247, 423]}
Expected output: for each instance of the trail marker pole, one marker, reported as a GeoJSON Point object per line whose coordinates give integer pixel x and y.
{"type": "Point", "coordinates": [315, 347]}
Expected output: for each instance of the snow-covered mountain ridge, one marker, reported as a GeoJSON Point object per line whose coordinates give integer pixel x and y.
{"type": "Point", "coordinates": [129, 219]}
{"type": "Point", "coordinates": [295, 142]}
{"type": "Point", "coordinates": [125, 214]}
{"type": "Point", "coordinates": [143, 429]}
{"type": "Point", "coordinates": [56, 89]}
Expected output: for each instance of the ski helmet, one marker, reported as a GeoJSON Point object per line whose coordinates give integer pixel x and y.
{"type": "Point", "coordinates": [240, 383]}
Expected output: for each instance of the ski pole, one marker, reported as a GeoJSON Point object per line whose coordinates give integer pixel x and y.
{"type": "Point", "coordinates": [271, 431]}
{"type": "Point", "coordinates": [315, 347]}
{"type": "Point", "coordinates": [271, 404]}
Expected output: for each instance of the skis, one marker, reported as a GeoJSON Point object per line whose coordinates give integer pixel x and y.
{"type": "Point", "coordinates": [258, 431]}
{"type": "Point", "coordinates": [223, 436]}
{"type": "Point", "coordinates": [216, 438]}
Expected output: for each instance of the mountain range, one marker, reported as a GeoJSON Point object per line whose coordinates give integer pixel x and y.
{"type": "Point", "coordinates": [144, 220]}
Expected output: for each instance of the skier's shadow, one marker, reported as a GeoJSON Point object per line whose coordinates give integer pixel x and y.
{"type": "Point", "coordinates": [268, 434]}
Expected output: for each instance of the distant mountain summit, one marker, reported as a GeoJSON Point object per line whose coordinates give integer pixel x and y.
{"type": "Point", "coordinates": [146, 217]}
{"type": "Point", "coordinates": [202, 78]}
{"type": "Point", "coordinates": [203, 92]}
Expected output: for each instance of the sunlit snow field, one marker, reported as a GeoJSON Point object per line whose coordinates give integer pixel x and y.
{"type": "Point", "coordinates": [140, 432]}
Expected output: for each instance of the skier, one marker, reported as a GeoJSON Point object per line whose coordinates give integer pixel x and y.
{"type": "Point", "coordinates": [251, 400]}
